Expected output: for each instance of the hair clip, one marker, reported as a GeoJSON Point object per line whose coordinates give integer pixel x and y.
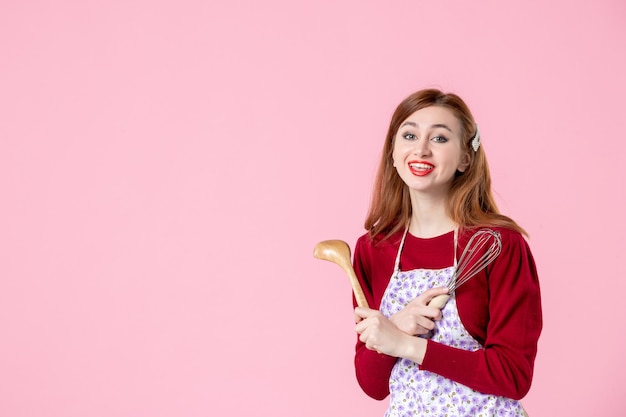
{"type": "Point", "coordinates": [476, 140]}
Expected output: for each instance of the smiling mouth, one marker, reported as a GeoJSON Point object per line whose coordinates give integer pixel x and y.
{"type": "Point", "coordinates": [420, 168]}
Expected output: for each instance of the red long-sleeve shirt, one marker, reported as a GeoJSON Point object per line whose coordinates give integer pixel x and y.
{"type": "Point", "coordinates": [500, 307]}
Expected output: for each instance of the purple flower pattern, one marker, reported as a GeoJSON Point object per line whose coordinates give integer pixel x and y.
{"type": "Point", "coordinates": [415, 392]}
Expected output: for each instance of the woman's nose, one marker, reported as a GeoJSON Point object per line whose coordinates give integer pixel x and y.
{"type": "Point", "coordinates": [422, 147]}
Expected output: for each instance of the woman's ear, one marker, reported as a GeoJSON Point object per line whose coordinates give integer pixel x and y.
{"type": "Point", "coordinates": [465, 161]}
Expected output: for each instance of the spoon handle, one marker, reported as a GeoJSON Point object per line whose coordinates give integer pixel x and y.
{"type": "Point", "coordinates": [361, 301]}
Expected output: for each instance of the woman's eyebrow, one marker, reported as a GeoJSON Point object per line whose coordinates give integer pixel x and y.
{"type": "Point", "coordinates": [444, 126]}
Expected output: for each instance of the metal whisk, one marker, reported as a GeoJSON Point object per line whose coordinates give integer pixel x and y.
{"type": "Point", "coordinates": [482, 249]}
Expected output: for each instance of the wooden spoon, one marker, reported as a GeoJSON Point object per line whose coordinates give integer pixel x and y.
{"type": "Point", "coordinates": [338, 251]}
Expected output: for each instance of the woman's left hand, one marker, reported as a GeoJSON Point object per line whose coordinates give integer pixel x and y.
{"type": "Point", "coordinates": [417, 317]}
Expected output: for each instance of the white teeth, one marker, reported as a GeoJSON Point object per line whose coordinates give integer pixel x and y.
{"type": "Point", "coordinates": [421, 166]}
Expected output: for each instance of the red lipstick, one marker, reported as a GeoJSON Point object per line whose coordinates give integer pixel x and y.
{"type": "Point", "coordinates": [420, 168]}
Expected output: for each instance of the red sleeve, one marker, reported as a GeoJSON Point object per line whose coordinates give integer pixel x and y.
{"type": "Point", "coordinates": [504, 366]}
{"type": "Point", "coordinates": [372, 369]}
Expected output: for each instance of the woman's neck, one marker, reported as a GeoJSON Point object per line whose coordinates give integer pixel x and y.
{"type": "Point", "coordinates": [429, 218]}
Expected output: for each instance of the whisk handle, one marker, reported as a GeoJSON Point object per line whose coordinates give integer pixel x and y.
{"type": "Point", "coordinates": [439, 301]}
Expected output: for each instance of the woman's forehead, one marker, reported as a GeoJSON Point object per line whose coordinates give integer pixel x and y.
{"type": "Point", "coordinates": [433, 117]}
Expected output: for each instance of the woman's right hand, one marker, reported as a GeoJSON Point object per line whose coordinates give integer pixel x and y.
{"type": "Point", "coordinates": [417, 317]}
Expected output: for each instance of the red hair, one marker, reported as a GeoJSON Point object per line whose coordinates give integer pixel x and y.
{"type": "Point", "coordinates": [470, 202]}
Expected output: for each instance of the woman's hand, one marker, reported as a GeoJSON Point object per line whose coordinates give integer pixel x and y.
{"type": "Point", "coordinates": [378, 333]}
{"type": "Point", "coordinates": [417, 317]}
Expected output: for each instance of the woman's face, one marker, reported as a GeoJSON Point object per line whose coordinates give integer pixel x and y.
{"type": "Point", "coordinates": [427, 150]}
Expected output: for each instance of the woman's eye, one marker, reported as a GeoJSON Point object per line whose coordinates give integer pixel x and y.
{"type": "Point", "coordinates": [440, 139]}
{"type": "Point", "coordinates": [409, 136]}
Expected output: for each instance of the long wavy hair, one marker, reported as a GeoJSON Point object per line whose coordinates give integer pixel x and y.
{"type": "Point", "coordinates": [470, 201]}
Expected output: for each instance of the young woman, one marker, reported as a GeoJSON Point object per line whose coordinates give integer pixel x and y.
{"type": "Point", "coordinates": [475, 356]}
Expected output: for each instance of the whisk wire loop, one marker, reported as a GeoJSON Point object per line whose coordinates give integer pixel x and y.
{"type": "Point", "coordinates": [482, 249]}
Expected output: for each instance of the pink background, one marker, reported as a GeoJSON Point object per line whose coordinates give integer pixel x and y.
{"type": "Point", "coordinates": [166, 168]}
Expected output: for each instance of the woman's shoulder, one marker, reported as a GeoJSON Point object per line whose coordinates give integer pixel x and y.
{"type": "Point", "coordinates": [378, 242]}
{"type": "Point", "coordinates": [503, 231]}
{"type": "Point", "coordinates": [510, 235]}
{"type": "Point", "coordinates": [509, 238]}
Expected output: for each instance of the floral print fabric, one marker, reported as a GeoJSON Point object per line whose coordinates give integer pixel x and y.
{"type": "Point", "coordinates": [415, 392]}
